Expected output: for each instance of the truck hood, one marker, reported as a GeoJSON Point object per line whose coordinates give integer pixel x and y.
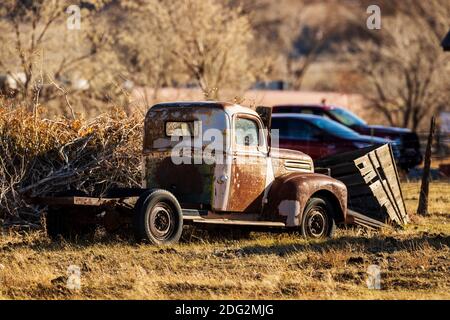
{"type": "Point", "coordinates": [372, 140]}
{"type": "Point", "coordinates": [404, 138]}
{"type": "Point", "coordinates": [285, 161]}
{"type": "Point", "coordinates": [382, 131]}
{"type": "Point", "coordinates": [286, 154]}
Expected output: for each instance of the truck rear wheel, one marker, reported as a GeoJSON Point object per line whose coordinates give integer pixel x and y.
{"type": "Point", "coordinates": [318, 219]}
{"type": "Point", "coordinates": [158, 218]}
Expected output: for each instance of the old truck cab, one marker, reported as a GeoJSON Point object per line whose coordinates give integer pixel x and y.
{"type": "Point", "coordinates": [217, 163]}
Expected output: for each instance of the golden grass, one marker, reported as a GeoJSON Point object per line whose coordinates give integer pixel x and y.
{"type": "Point", "coordinates": [414, 264]}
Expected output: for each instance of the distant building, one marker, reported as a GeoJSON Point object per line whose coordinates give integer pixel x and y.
{"type": "Point", "coordinates": [270, 85]}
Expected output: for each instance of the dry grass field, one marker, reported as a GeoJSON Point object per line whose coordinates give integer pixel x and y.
{"type": "Point", "coordinates": [414, 264]}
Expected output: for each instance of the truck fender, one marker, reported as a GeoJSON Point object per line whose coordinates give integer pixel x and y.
{"type": "Point", "coordinates": [289, 194]}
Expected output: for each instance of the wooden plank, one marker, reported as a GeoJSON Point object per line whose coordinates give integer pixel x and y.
{"type": "Point", "coordinates": [76, 201]}
{"type": "Point", "coordinates": [391, 183]}
{"type": "Point", "coordinates": [392, 199]}
{"type": "Point", "coordinates": [384, 187]}
{"type": "Point", "coordinates": [374, 160]}
{"type": "Point", "coordinates": [366, 168]}
{"type": "Point", "coordinates": [367, 220]}
{"type": "Point", "coordinates": [375, 188]}
{"type": "Point", "coordinates": [402, 202]}
{"type": "Point", "coordinates": [345, 157]}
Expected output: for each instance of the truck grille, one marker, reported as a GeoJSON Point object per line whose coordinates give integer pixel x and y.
{"type": "Point", "coordinates": [297, 165]}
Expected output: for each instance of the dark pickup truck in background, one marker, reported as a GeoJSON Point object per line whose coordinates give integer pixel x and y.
{"type": "Point", "coordinates": [321, 137]}
{"type": "Point", "coordinates": [406, 141]}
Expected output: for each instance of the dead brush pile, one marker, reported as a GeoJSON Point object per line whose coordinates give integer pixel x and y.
{"type": "Point", "coordinates": [40, 157]}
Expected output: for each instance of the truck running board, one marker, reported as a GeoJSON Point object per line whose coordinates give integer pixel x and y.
{"type": "Point", "coordinates": [238, 222]}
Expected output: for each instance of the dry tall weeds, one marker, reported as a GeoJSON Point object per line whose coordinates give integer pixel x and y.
{"type": "Point", "coordinates": [39, 156]}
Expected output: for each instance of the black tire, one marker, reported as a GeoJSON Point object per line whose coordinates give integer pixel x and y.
{"type": "Point", "coordinates": [318, 219]}
{"type": "Point", "coordinates": [158, 218]}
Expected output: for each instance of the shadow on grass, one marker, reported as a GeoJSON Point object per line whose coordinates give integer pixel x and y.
{"type": "Point", "coordinates": [374, 245]}
{"type": "Point", "coordinates": [44, 243]}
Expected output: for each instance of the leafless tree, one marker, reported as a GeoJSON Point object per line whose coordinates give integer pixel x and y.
{"type": "Point", "coordinates": [293, 34]}
{"type": "Point", "coordinates": [202, 40]}
{"type": "Point", "coordinates": [40, 48]}
{"type": "Point", "coordinates": [406, 68]}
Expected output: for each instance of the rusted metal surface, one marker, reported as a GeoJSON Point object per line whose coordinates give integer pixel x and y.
{"type": "Point", "coordinates": [247, 185]}
{"type": "Point", "coordinates": [210, 115]}
{"type": "Point", "coordinates": [276, 185]}
{"type": "Point", "coordinates": [286, 161]}
{"type": "Point", "coordinates": [238, 222]}
{"type": "Point", "coordinates": [190, 183]}
{"type": "Point", "coordinates": [289, 194]}
{"type": "Point", "coordinates": [76, 201]}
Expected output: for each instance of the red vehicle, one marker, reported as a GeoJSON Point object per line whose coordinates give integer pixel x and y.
{"type": "Point", "coordinates": [406, 142]}
{"type": "Point", "coordinates": [319, 137]}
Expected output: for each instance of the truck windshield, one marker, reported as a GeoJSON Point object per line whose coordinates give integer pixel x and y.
{"type": "Point", "coordinates": [334, 128]}
{"type": "Point", "coordinates": [308, 128]}
{"type": "Point", "coordinates": [347, 118]}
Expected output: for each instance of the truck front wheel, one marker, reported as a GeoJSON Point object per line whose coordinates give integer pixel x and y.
{"type": "Point", "coordinates": [318, 219]}
{"type": "Point", "coordinates": [158, 218]}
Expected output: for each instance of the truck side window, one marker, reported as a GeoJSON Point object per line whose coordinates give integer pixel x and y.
{"type": "Point", "coordinates": [182, 129]}
{"type": "Point", "coordinates": [247, 132]}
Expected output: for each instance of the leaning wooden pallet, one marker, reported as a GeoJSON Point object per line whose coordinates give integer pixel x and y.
{"type": "Point", "coordinates": [372, 182]}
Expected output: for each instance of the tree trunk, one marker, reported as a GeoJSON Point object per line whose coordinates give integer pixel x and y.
{"type": "Point", "coordinates": [423, 200]}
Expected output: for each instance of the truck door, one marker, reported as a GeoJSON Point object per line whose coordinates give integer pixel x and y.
{"type": "Point", "coordinates": [248, 167]}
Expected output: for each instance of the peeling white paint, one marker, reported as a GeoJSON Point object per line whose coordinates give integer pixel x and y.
{"type": "Point", "coordinates": [290, 209]}
{"type": "Point", "coordinates": [270, 177]}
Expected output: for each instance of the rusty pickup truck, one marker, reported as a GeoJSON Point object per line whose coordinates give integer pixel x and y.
{"type": "Point", "coordinates": [211, 163]}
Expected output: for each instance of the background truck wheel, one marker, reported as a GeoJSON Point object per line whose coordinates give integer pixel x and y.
{"type": "Point", "coordinates": [318, 219]}
{"type": "Point", "coordinates": [158, 218]}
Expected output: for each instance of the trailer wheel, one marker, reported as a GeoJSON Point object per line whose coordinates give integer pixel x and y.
{"type": "Point", "coordinates": [158, 218]}
{"type": "Point", "coordinates": [318, 219]}
{"type": "Point", "coordinates": [56, 224]}
{"type": "Point", "coordinates": [66, 224]}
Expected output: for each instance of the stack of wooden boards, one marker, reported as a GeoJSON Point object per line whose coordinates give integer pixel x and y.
{"type": "Point", "coordinates": [374, 192]}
